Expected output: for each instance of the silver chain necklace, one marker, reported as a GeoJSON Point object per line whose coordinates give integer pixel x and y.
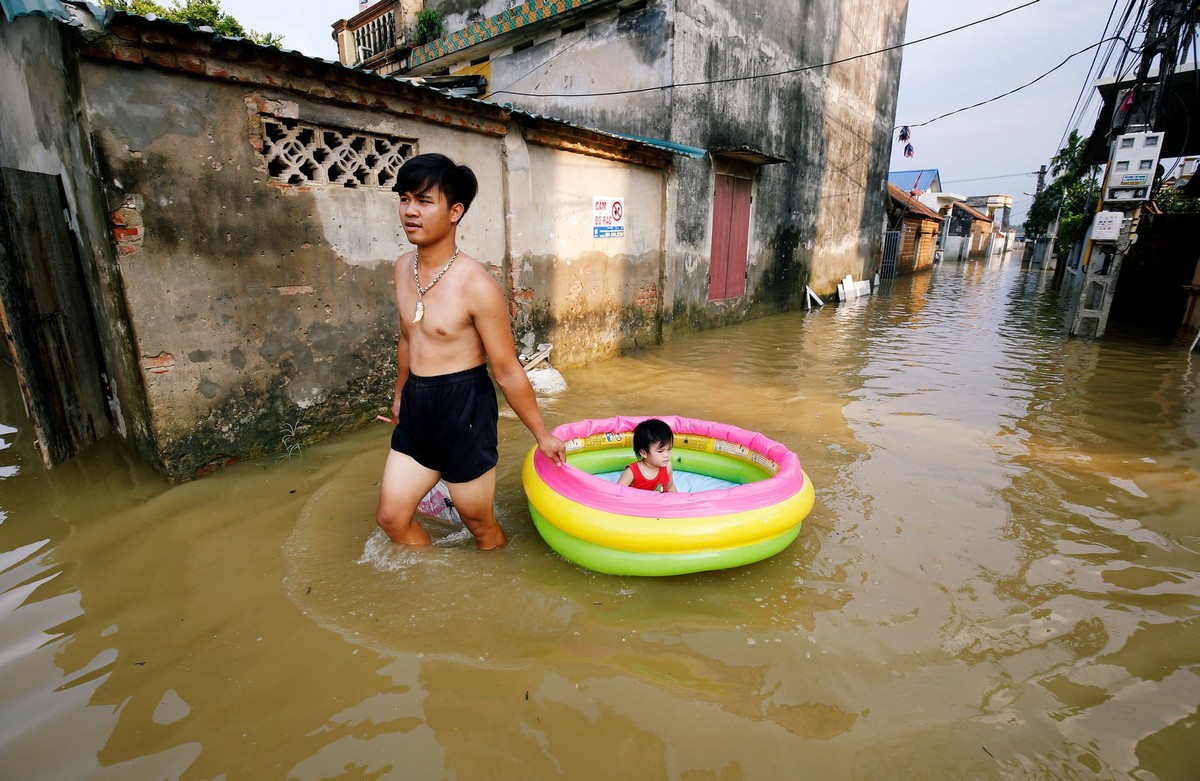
{"type": "Point", "coordinates": [421, 291]}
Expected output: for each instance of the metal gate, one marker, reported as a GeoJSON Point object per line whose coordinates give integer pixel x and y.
{"type": "Point", "coordinates": [891, 253]}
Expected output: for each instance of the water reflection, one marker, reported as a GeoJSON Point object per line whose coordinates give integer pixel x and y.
{"type": "Point", "coordinates": [998, 580]}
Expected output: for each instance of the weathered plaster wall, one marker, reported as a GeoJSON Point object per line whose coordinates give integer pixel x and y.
{"type": "Point", "coordinates": [259, 312]}
{"type": "Point", "coordinates": [814, 218]}
{"type": "Point", "coordinates": [39, 132]}
{"type": "Point", "coordinates": [820, 215]}
{"type": "Point", "coordinates": [588, 297]}
{"type": "Point", "coordinates": [255, 316]}
{"type": "Point", "coordinates": [264, 312]}
{"type": "Point", "coordinates": [457, 14]}
{"type": "Point", "coordinates": [860, 113]}
{"type": "Point", "coordinates": [620, 54]}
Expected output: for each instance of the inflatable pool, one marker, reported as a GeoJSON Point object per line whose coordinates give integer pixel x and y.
{"type": "Point", "coordinates": [619, 530]}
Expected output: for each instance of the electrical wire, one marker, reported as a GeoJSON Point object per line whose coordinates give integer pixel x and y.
{"type": "Point", "coordinates": [789, 71]}
{"type": "Point", "coordinates": [542, 64]}
{"type": "Point", "coordinates": [988, 178]}
{"type": "Point", "coordinates": [1088, 78]}
{"type": "Point", "coordinates": [1015, 89]}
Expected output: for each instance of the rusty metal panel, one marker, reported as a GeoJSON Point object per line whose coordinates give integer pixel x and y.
{"type": "Point", "coordinates": [730, 237]}
{"type": "Point", "coordinates": [47, 318]}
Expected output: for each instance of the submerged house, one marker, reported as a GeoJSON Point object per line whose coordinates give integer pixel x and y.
{"type": "Point", "coordinates": [222, 283]}
{"type": "Point", "coordinates": [911, 234]}
{"type": "Point", "coordinates": [793, 120]}
{"type": "Point", "coordinates": [968, 233]}
{"type": "Point", "coordinates": [998, 210]}
{"type": "Point", "coordinates": [222, 280]}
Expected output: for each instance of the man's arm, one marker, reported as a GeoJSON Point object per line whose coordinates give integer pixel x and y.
{"type": "Point", "coordinates": [491, 322]}
{"type": "Point", "coordinates": [401, 372]}
{"type": "Point", "coordinates": [401, 344]}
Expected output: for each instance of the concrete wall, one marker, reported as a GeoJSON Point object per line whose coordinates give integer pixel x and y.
{"type": "Point", "coordinates": [814, 218]}
{"type": "Point", "coordinates": [259, 313]}
{"type": "Point", "coordinates": [619, 53]}
{"type": "Point", "coordinates": [39, 132]}
{"type": "Point", "coordinates": [956, 248]}
{"type": "Point", "coordinates": [590, 297]}
{"type": "Point", "coordinates": [817, 217]}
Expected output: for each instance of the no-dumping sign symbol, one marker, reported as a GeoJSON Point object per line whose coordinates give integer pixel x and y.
{"type": "Point", "coordinates": [608, 217]}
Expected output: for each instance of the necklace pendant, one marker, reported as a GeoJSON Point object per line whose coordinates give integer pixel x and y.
{"type": "Point", "coordinates": [420, 312]}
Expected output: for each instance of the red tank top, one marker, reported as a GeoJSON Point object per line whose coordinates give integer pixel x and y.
{"type": "Point", "coordinates": [657, 483]}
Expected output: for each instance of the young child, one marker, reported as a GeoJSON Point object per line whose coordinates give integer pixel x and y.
{"type": "Point", "coordinates": [652, 441]}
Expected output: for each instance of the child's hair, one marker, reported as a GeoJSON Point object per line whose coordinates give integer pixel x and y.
{"type": "Point", "coordinates": [457, 182]}
{"type": "Point", "coordinates": [650, 432]}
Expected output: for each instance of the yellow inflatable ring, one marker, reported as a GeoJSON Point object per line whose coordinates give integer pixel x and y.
{"type": "Point", "coordinates": [620, 530]}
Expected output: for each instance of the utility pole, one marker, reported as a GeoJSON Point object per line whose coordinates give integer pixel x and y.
{"type": "Point", "coordinates": [1132, 164]}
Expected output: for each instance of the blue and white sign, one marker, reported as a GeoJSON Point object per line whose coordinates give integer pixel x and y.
{"type": "Point", "coordinates": [608, 217]}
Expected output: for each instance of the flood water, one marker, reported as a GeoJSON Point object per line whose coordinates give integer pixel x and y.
{"type": "Point", "coordinates": [998, 581]}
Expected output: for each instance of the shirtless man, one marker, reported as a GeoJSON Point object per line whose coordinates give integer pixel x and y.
{"type": "Point", "coordinates": [453, 324]}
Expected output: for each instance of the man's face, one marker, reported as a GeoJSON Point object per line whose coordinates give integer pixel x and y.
{"type": "Point", "coordinates": [426, 216]}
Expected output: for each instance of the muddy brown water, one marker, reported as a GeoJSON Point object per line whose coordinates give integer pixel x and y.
{"type": "Point", "coordinates": [998, 580]}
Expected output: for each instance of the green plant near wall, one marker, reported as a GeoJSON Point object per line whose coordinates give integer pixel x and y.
{"type": "Point", "coordinates": [430, 26]}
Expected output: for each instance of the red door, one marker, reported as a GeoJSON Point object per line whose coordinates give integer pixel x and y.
{"type": "Point", "coordinates": [730, 238]}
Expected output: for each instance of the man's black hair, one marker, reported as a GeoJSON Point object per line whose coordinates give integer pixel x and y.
{"type": "Point", "coordinates": [651, 432]}
{"type": "Point", "coordinates": [457, 182]}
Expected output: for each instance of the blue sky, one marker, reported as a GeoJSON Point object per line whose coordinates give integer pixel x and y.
{"type": "Point", "coordinates": [991, 149]}
{"type": "Point", "coordinates": [995, 148]}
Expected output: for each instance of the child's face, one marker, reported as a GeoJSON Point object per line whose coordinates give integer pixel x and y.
{"type": "Point", "coordinates": [659, 454]}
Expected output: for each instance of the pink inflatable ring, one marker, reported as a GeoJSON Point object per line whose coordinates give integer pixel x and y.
{"type": "Point", "coordinates": [619, 530]}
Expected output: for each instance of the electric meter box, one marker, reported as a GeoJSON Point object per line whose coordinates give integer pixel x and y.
{"type": "Point", "coordinates": [1106, 226]}
{"type": "Point", "coordinates": [1132, 165]}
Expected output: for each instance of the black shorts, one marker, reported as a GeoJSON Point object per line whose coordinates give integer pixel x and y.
{"type": "Point", "coordinates": [448, 423]}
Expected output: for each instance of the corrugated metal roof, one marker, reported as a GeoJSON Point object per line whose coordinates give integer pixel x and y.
{"type": "Point", "coordinates": [915, 180]}
{"type": "Point", "coordinates": [667, 146]}
{"type": "Point", "coordinates": [15, 8]}
{"type": "Point", "coordinates": [680, 149]}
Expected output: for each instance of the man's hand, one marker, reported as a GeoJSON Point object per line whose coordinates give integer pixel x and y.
{"type": "Point", "coordinates": [553, 448]}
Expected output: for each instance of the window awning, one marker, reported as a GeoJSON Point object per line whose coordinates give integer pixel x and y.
{"type": "Point", "coordinates": [747, 154]}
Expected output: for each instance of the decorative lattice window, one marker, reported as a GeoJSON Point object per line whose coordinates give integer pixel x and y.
{"type": "Point", "coordinates": [300, 153]}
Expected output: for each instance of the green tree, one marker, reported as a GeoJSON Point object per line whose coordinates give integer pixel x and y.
{"type": "Point", "coordinates": [1173, 201]}
{"type": "Point", "coordinates": [198, 13]}
{"type": "Point", "coordinates": [1071, 197]}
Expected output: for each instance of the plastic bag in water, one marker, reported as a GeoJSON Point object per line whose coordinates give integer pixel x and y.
{"type": "Point", "coordinates": [437, 504]}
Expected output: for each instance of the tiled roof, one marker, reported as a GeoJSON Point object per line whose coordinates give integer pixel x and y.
{"type": "Point", "coordinates": [912, 204]}
{"type": "Point", "coordinates": [975, 213]}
